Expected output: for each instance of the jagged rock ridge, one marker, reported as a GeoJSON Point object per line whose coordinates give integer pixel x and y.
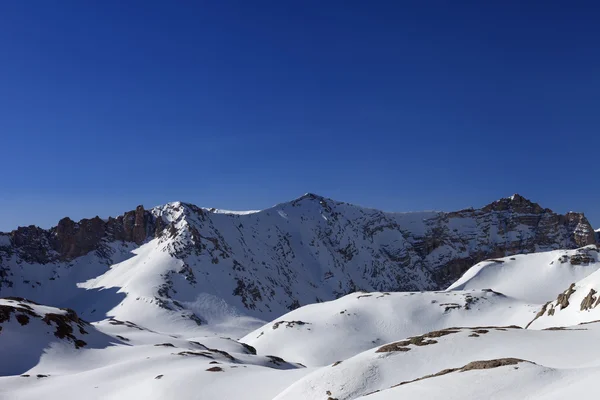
{"type": "Point", "coordinates": [69, 239]}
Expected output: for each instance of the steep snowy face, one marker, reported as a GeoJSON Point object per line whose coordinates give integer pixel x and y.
{"type": "Point", "coordinates": [180, 257]}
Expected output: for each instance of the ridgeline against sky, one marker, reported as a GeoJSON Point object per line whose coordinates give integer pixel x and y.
{"type": "Point", "coordinates": [241, 105]}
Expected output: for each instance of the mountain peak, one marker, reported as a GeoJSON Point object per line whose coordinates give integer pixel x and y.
{"type": "Point", "coordinates": [516, 203]}
{"type": "Point", "coordinates": [517, 197]}
{"type": "Point", "coordinates": [311, 196]}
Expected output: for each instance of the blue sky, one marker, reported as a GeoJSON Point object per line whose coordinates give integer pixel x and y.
{"type": "Point", "coordinates": [395, 105]}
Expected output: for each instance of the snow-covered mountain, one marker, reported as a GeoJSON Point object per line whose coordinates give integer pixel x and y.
{"type": "Point", "coordinates": [472, 342]}
{"type": "Point", "coordinates": [361, 304]}
{"type": "Point", "coordinates": [180, 257]}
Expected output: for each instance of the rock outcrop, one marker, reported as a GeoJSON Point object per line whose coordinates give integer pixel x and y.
{"type": "Point", "coordinates": [70, 239]}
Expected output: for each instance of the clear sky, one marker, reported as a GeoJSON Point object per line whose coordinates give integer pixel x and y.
{"type": "Point", "coordinates": [394, 105]}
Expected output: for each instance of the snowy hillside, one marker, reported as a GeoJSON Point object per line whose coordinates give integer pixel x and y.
{"type": "Point", "coordinates": [27, 329]}
{"type": "Point", "coordinates": [130, 361]}
{"type": "Point", "coordinates": [577, 302]}
{"type": "Point", "coordinates": [388, 366]}
{"type": "Point", "coordinates": [311, 334]}
{"type": "Point", "coordinates": [511, 380]}
{"type": "Point", "coordinates": [532, 278]}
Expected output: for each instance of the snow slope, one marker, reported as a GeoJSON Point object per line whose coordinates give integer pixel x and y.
{"type": "Point", "coordinates": [120, 359]}
{"type": "Point", "coordinates": [168, 368]}
{"type": "Point", "coordinates": [576, 303]}
{"type": "Point", "coordinates": [383, 367]}
{"type": "Point", "coordinates": [524, 380]}
{"type": "Point", "coordinates": [27, 329]}
{"type": "Point", "coordinates": [533, 278]}
{"type": "Point", "coordinates": [321, 334]}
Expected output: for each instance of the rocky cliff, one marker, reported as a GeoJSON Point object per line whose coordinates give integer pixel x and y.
{"type": "Point", "coordinates": [310, 249]}
{"type": "Point", "coordinates": [69, 239]}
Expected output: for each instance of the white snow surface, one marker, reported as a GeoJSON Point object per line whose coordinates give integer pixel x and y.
{"type": "Point", "coordinates": [372, 371]}
{"type": "Point", "coordinates": [324, 333]}
{"type": "Point", "coordinates": [533, 278]}
{"type": "Point", "coordinates": [523, 381]}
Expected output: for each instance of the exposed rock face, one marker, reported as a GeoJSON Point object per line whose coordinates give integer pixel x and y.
{"type": "Point", "coordinates": [310, 249]}
{"type": "Point", "coordinates": [69, 239]}
{"type": "Point", "coordinates": [73, 240]}
{"type": "Point", "coordinates": [505, 227]}
{"type": "Point", "coordinates": [589, 301]}
{"type": "Point", "coordinates": [139, 228]}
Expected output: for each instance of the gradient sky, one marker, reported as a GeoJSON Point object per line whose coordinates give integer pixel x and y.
{"type": "Point", "coordinates": [394, 105]}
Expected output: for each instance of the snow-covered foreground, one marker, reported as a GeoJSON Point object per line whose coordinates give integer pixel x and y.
{"type": "Point", "coordinates": [524, 380]}
{"type": "Point", "coordinates": [382, 368]}
{"type": "Point", "coordinates": [122, 360]}
{"type": "Point", "coordinates": [510, 328]}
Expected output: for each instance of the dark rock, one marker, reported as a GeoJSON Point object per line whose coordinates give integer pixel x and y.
{"type": "Point", "coordinates": [70, 239]}
{"type": "Point", "coordinates": [589, 301]}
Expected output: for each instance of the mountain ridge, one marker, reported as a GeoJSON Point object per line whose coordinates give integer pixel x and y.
{"type": "Point", "coordinates": [308, 195]}
{"type": "Point", "coordinates": [307, 250]}
{"type": "Point", "coordinates": [165, 289]}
